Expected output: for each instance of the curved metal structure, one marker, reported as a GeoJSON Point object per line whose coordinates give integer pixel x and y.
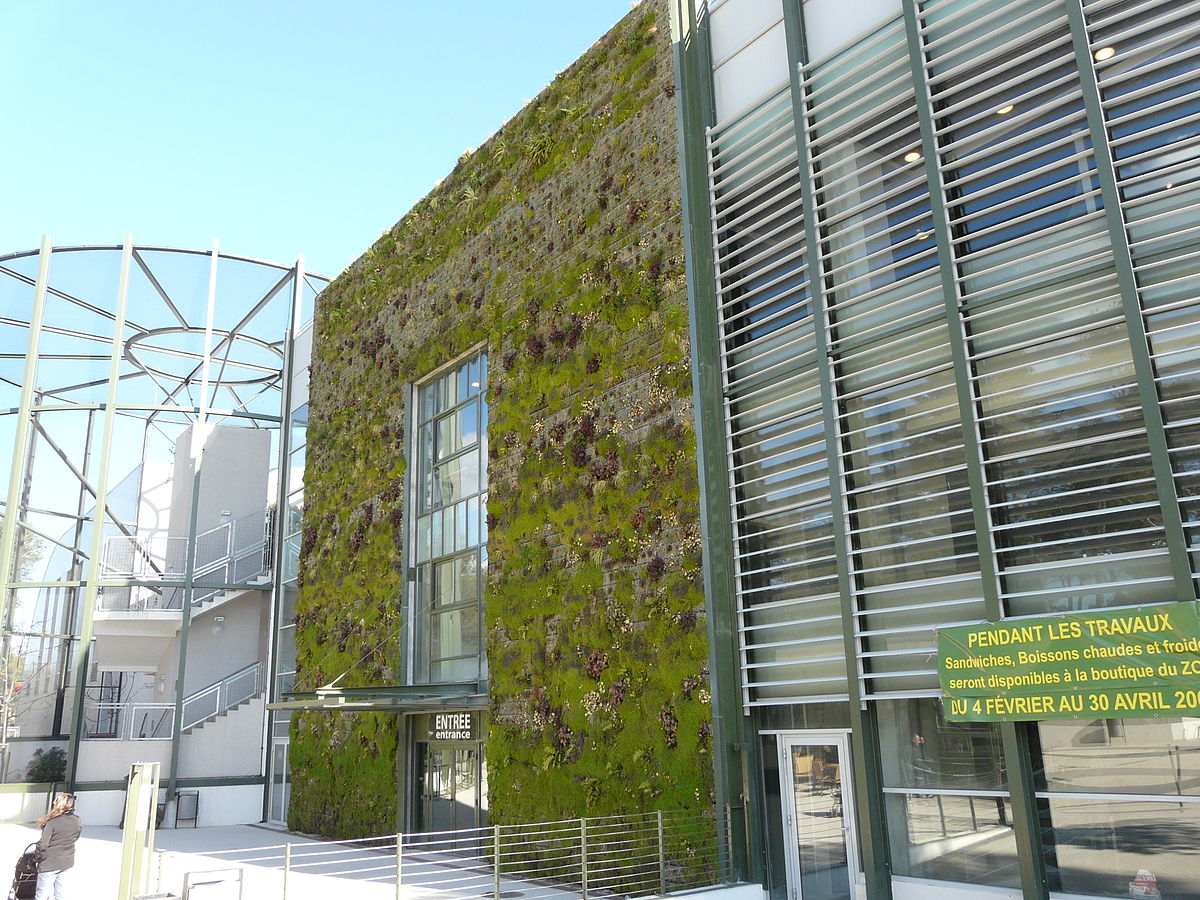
{"type": "Point", "coordinates": [144, 446]}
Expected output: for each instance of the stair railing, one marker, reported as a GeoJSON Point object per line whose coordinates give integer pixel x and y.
{"type": "Point", "coordinates": [153, 721]}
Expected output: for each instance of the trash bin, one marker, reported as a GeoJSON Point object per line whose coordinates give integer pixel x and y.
{"type": "Point", "coordinates": [187, 807]}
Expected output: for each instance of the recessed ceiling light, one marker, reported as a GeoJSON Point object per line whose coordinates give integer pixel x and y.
{"type": "Point", "coordinates": [912, 156]}
{"type": "Point", "coordinates": [1105, 53]}
{"type": "Point", "coordinates": [1005, 110]}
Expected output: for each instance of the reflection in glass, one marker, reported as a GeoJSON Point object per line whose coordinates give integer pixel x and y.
{"type": "Point", "coordinates": [921, 749]}
{"type": "Point", "coordinates": [1098, 846]}
{"type": "Point", "coordinates": [953, 838]}
{"type": "Point", "coordinates": [821, 827]}
{"type": "Point", "coordinates": [1121, 756]}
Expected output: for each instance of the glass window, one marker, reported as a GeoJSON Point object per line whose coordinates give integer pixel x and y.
{"type": "Point", "coordinates": [922, 750]}
{"type": "Point", "coordinates": [1103, 847]}
{"type": "Point", "coordinates": [945, 792]}
{"type": "Point", "coordinates": [448, 540]}
{"type": "Point", "coordinates": [1120, 756]}
{"type": "Point", "coordinates": [953, 838]}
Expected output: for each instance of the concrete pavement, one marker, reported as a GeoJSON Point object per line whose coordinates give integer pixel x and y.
{"type": "Point", "coordinates": [317, 870]}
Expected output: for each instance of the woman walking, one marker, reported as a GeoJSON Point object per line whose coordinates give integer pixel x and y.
{"type": "Point", "coordinates": [56, 848]}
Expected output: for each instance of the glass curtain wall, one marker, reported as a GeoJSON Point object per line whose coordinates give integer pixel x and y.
{"type": "Point", "coordinates": [979, 231]}
{"type": "Point", "coordinates": [450, 540]}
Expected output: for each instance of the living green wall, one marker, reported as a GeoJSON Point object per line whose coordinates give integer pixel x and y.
{"type": "Point", "coordinates": [557, 244]}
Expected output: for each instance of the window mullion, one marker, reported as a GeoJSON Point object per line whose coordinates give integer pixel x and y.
{"type": "Point", "coordinates": [1139, 344]}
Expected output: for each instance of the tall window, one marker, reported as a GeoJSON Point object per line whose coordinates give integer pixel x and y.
{"type": "Point", "coordinates": [450, 548]}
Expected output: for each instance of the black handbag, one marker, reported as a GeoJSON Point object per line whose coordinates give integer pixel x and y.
{"type": "Point", "coordinates": [25, 875]}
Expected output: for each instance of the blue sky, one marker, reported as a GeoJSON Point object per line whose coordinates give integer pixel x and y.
{"type": "Point", "coordinates": [280, 128]}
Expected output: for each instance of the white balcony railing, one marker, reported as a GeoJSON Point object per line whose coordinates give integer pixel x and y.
{"type": "Point", "coordinates": [156, 721]}
{"type": "Point", "coordinates": [235, 552]}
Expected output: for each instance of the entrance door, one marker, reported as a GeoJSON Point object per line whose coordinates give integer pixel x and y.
{"type": "Point", "coordinates": [281, 782]}
{"type": "Point", "coordinates": [818, 811]}
{"type": "Point", "coordinates": [449, 785]}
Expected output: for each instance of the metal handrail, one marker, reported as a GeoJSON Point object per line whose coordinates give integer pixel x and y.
{"type": "Point", "coordinates": [139, 721]}
{"type": "Point", "coordinates": [228, 546]}
{"type": "Point", "coordinates": [638, 855]}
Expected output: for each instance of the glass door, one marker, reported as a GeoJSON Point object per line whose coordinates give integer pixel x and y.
{"type": "Point", "coordinates": [448, 779]}
{"type": "Point", "coordinates": [281, 782]}
{"type": "Point", "coordinates": [818, 811]}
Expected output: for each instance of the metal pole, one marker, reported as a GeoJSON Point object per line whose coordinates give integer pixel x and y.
{"type": "Point", "coordinates": [200, 429]}
{"type": "Point", "coordinates": [276, 549]}
{"type": "Point", "coordinates": [8, 524]}
{"type": "Point", "coordinates": [496, 863]}
{"type": "Point", "coordinates": [662, 855]}
{"type": "Point", "coordinates": [692, 65]}
{"type": "Point", "coordinates": [287, 867]}
{"type": "Point", "coordinates": [1141, 353]}
{"type": "Point", "coordinates": [583, 851]}
{"type": "Point", "coordinates": [104, 470]}
{"type": "Point", "coordinates": [138, 839]}
{"type": "Point", "coordinates": [400, 862]}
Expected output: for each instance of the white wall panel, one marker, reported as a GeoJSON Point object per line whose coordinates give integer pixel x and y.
{"type": "Point", "coordinates": [751, 72]}
{"type": "Point", "coordinates": [830, 24]}
{"type": "Point", "coordinates": [736, 22]}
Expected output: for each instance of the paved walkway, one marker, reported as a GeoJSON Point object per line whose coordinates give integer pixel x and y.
{"type": "Point", "coordinates": [318, 870]}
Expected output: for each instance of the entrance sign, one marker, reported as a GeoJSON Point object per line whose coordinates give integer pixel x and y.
{"type": "Point", "coordinates": [1115, 664]}
{"type": "Point", "coordinates": [449, 726]}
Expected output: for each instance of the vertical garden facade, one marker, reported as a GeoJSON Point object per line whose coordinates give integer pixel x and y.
{"type": "Point", "coordinates": [500, 614]}
{"type": "Point", "coordinates": [943, 263]}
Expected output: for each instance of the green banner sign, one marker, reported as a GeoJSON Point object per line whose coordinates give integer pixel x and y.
{"type": "Point", "coordinates": [1097, 665]}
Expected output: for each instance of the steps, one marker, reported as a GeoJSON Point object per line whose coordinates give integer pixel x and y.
{"type": "Point", "coordinates": [192, 729]}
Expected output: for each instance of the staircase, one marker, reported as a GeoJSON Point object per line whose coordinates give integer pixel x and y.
{"type": "Point", "coordinates": [228, 744]}
{"type": "Point", "coordinates": [154, 721]}
{"type": "Point", "coordinates": [219, 699]}
{"type": "Point", "coordinates": [210, 601]}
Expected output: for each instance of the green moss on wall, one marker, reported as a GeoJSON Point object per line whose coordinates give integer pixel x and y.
{"type": "Point", "coordinates": [557, 245]}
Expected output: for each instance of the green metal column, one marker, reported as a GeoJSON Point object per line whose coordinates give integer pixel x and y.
{"type": "Point", "coordinates": [83, 655]}
{"type": "Point", "coordinates": [199, 436]}
{"type": "Point", "coordinates": [1135, 324]}
{"type": "Point", "coordinates": [868, 772]}
{"type": "Point", "coordinates": [282, 488]}
{"type": "Point", "coordinates": [733, 744]}
{"type": "Point", "coordinates": [1014, 735]}
{"type": "Point", "coordinates": [8, 531]}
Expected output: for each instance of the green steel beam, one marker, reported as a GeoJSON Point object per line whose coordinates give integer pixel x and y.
{"type": "Point", "coordinates": [406, 777]}
{"type": "Point", "coordinates": [1014, 736]}
{"type": "Point", "coordinates": [868, 771]}
{"type": "Point", "coordinates": [83, 654]}
{"type": "Point", "coordinates": [199, 436]}
{"type": "Point", "coordinates": [8, 533]}
{"type": "Point", "coordinates": [407, 598]}
{"type": "Point", "coordinates": [733, 752]}
{"type": "Point", "coordinates": [228, 781]}
{"type": "Point", "coordinates": [18, 469]}
{"type": "Point", "coordinates": [278, 532]}
{"type": "Point", "coordinates": [1135, 323]}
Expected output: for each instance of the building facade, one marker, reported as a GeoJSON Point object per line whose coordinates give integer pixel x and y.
{"type": "Point", "coordinates": [145, 452]}
{"type": "Point", "coordinates": [943, 261]}
{"type": "Point", "coordinates": [501, 612]}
